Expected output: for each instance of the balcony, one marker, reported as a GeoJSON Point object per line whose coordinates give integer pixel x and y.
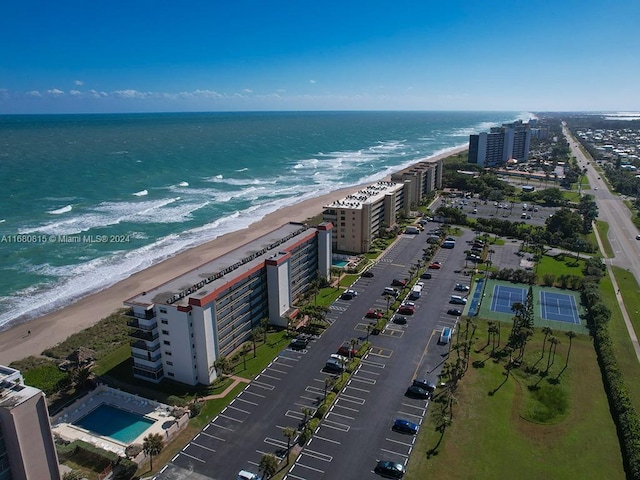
{"type": "Point", "coordinates": [142, 335]}
{"type": "Point", "coordinates": [147, 315]}
{"type": "Point", "coordinates": [144, 346]}
{"type": "Point", "coordinates": [136, 323]}
{"type": "Point", "coordinates": [153, 358]}
{"type": "Point", "coordinates": [152, 372]}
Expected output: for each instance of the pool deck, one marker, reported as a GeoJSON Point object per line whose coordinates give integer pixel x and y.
{"type": "Point", "coordinates": [62, 425]}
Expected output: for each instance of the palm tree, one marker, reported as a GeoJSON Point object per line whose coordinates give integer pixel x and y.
{"type": "Point", "coordinates": [547, 331]}
{"type": "Point", "coordinates": [552, 342]}
{"type": "Point", "coordinates": [352, 344]}
{"type": "Point", "coordinates": [306, 414]}
{"type": "Point", "coordinates": [221, 366]}
{"type": "Point", "coordinates": [244, 351]}
{"type": "Point", "coordinates": [490, 325]}
{"type": "Point", "coordinates": [571, 334]}
{"type": "Point", "coordinates": [289, 433]}
{"type": "Point", "coordinates": [329, 382]}
{"type": "Point", "coordinates": [268, 465]}
{"type": "Point", "coordinates": [264, 323]}
{"type": "Point", "coordinates": [152, 445]}
{"type": "Point", "coordinates": [80, 376]}
{"type": "Point", "coordinates": [256, 334]}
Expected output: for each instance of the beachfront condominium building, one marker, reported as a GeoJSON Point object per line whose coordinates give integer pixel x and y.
{"type": "Point", "coordinates": [494, 148]}
{"type": "Point", "coordinates": [420, 179]}
{"type": "Point", "coordinates": [358, 218]}
{"type": "Point", "coordinates": [180, 328]}
{"type": "Point", "coordinates": [27, 449]}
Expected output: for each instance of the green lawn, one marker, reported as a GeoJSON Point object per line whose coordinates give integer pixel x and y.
{"type": "Point", "coordinates": [624, 351]}
{"type": "Point", "coordinates": [562, 431]}
{"type": "Point", "coordinates": [559, 266]}
{"type": "Point", "coordinates": [603, 231]}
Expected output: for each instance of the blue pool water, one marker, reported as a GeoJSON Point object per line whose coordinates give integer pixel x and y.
{"type": "Point", "coordinates": [115, 423]}
{"type": "Point", "coordinates": [340, 263]}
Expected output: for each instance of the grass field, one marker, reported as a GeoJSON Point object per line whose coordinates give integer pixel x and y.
{"type": "Point", "coordinates": [565, 265]}
{"type": "Point", "coordinates": [603, 231]}
{"type": "Point", "coordinates": [559, 431]}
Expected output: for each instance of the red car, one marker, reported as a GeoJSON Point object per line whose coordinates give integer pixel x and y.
{"type": "Point", "coordinates": [347, 351]}
{"type": "Point", "coordinates": [372, 313]}
{"type": "Point", "coordinates": [435, 265]}
{"type": "Point", "coordinates": [406, 309]}
{"type": "Point", "coordinates": [398, 283]}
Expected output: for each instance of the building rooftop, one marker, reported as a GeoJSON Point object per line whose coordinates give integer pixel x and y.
{"type": "Point", "coordinates": [370, 194]}
{"type": "Point", "coordinates": [209, 276]}
{"type": "Point", "coordinates": [13, 391]}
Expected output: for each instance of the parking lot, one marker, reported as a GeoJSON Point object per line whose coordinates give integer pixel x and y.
{"type": "Point", "coordinates": [511, 211]}
{"type": "Point", "coordinates": [356, 432]}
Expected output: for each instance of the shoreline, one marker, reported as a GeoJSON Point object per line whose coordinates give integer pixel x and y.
{"type": "Point", "coordinates": [34, 336]}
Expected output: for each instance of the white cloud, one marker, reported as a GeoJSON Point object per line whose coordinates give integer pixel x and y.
{"type": "Point", "coordinates": [34, 93]}
{"type": "Point", "coordinates": [247, 90]}
{"type": "Point", "coordinates": [129, 94]}
{"type": "Point", "coordinates": [55, 92]}
{"type": "Point", "coordinates": [75, 93]}
{"type": "Point", "coordinates": [78, 83]}
{"type": "Point", "coordinates": [312, 81]}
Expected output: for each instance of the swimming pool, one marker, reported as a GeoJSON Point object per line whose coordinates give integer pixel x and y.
{"type": "Point", "coordinates": [340, 263]}
{"type": "Point", "coordinates": [109, 421]}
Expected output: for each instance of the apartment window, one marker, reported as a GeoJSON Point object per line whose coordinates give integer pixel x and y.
{"type": "Point", "coordinates": [168, 353]}
{"type": "Point", "coordinates": [164, 321]}
{"type": "Point", "coordinates": [170, 374]}
{"type": "Point", "coordinates": [163, 310]}
{"type": "Point", "coordinates": [167, 342]}
{"type": "Point", "coordinates": [165, 332]}
{"type": "Point", "coordinates": [343, 224]}
{"type": "Point", "coordinates": [170, 363]}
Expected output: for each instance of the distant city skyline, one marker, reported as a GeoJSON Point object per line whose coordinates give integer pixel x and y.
{"type": "Point", "coordinates": [142, 56]}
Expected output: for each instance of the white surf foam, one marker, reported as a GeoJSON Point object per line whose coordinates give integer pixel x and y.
{"type": "Point", "coordinates": [141, 193]}
{"type": "Point", "coordinates": [183, 184]}
{"type": "Point", "coordinates": [60, 211]}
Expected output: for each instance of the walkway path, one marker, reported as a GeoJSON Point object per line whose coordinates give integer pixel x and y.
{"type": "Point", "coordinates": [234, 384]}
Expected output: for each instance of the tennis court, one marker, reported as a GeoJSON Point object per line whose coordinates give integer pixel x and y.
{"type": "Point", "coordinates": [553, 307]}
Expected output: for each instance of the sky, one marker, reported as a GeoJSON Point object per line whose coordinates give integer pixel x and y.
{"type": "Point", "coordinates": [106, 56]}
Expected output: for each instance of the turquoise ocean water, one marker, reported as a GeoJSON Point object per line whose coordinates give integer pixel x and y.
{"type": "Point", "coordinates": [88, 200]}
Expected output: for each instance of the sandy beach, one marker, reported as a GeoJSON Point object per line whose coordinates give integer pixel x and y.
{"type": "Point", "coordinates": [35, 336]}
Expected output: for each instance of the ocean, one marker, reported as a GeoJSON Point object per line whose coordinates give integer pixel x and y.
{"type": "Point", "coordinates": [88, 200]}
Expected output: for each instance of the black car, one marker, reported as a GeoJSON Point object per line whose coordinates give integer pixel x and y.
{"type": "Point", "coordinates": [389, 469]}
{"type": "Point", "coordinates": [425, 276]}
{"type": "Point", "coordinates": [334, 365]}
{"type": "Point", "coordinates": [405, 426]}
{"type": "Point", "coordinates": [368, 274]}
{"type": "Point", "coordinates": [299, 343]}
{"type": "Point", "coordinates": [416, 392]}
{"type": "Point", "coordinates": [424, 384]}
{"type": "Point", "coordinates": [454, 311]}
{"type": "Point", "coordinates": [400, 320]}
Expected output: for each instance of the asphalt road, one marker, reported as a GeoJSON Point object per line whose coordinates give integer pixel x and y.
{"type": "Point", "coordinates": [357, 431]}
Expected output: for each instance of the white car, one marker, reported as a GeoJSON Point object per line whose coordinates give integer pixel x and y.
{"type": "Point", "coordinates": [461, 287]}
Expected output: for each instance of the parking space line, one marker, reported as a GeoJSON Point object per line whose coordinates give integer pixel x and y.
{"type": "Point", "coordinates": [220, 426]}
{"type": "Point", "coordinates": [352, 399]}
{"type": "Point", "coordinates": [211, 436]}
{"type": "Point", "coordinates": [381, 352]}
{"type": "Point", "coordinates": [266, 386]}
{"type": "Point", "coordinates": [286, 365]}
{"type": "Point", "coordinates": [309, 398]}
{"type": "Point", "coordinates": [372, 364]}
{"type": "Point", "coordinates": [252, 393]}
{"type": "Point", "coordinates": [368, 381]}
{"type": "Point", "coordinates": [278, 371]}
{"type": "Point", "coordinates": [230, 418]}
{"type": "Point", "coordinates": [311, 389]}
{"type": "Point", "coordinates": [422, 409]}
{"type": "Point", "coordinates": [336, 426]}
{"type": "Point", "coordinates": [369, 372]}
{"type": "Point", "coordinates": [394, 453]}
{"type": "Point", "coordinates": [287, 358]}
{"type": "Point", "coordinates": [268, 376]}
{"type": "Point", "coordinates": [191, 456]}
{"type": "Point", "coordinates": [294, 414]}
{"type": "Point", "coordinates": [399, 442]}
{"type": "Point", "coordinates": [202, 446]}
{"type": "Point", "coordinates": [291, 475]}
{"type": "Point", "coordinates": [245, 401]}
{"type": "Point", "coordinates": [318, 455]}
{"type": "Point", "coordinates": [307, 466]}
{"type": "Point", "coordinates": [356, 388]}
{"type": "Point", "coordinates": [275, 442]}
{"type": "Point", "coordinates": [318, 437]}
{"type": "Point", "coordinates": [346, 408]}
{"type": "Point", "coordinates": [400, 412]}
{"type": "Point", "coordinates": [239, 409]}
{"type": "Point", "coordinates": [339, 415]}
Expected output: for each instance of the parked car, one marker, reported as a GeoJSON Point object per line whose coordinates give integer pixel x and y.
{"type": "Point", "coordinates": [416, 392]}
{"type": "Point", "coordinates": [244, 475]}
{"type": "Point", "coordinates": [424, 384]}
{"type": "Point", "coordinates": [373, 313]}
{"type": "Point", "coordinates": [460, 287]}
{"type": "Point", "coordinates": [425, 276]}
{"type": "Point", "coordinates": [398, 283]}
{"type": "Point", "coordinates": [367, 274]}
{"type": "Point", "coordinates": [334, 365]}
{"type": "Point", "coordinates": [435, 265]}
{"type": "Point", "coordinates": [405, 426]}
{"type": "Point", "coordinates": [400, 320]}
{"type": "Point", "coordinates": [389, 469]}
{"type": "Point", "coordinates": [458, 300]}
{"type": "Point", "coordinates": [299, 343]}
{"type": "Point", "coordinates": [454, 311]}
{"type": "Point", "coordinates": [346, 350]}
{"type": "Point", "coordinates": [349, 294]}
{"type": "Point", "coordinates": [445, 336]}
{"type": "Point", "coordinates": [390, 291]}
{"type": "Point", "coordinates": [407, 308]}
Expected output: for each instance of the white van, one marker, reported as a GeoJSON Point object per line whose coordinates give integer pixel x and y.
{"type": "Point", "coordinates": [390, 291]}
{"type": "Point", "coordinates": [244, 475]}
{"type": "Point", "coordinates": [458, 300]}
{"type": "Point", "coordinates": [445, 336]}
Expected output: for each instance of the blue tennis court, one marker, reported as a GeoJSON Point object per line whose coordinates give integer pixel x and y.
{"type": "Point", "coordinates": [504, 297]}
{"type": "Point", "coordinates": [559, 307]}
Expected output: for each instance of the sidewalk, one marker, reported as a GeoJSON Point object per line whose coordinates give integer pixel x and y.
{"type": "Point", "coordinates": [234, 384]}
